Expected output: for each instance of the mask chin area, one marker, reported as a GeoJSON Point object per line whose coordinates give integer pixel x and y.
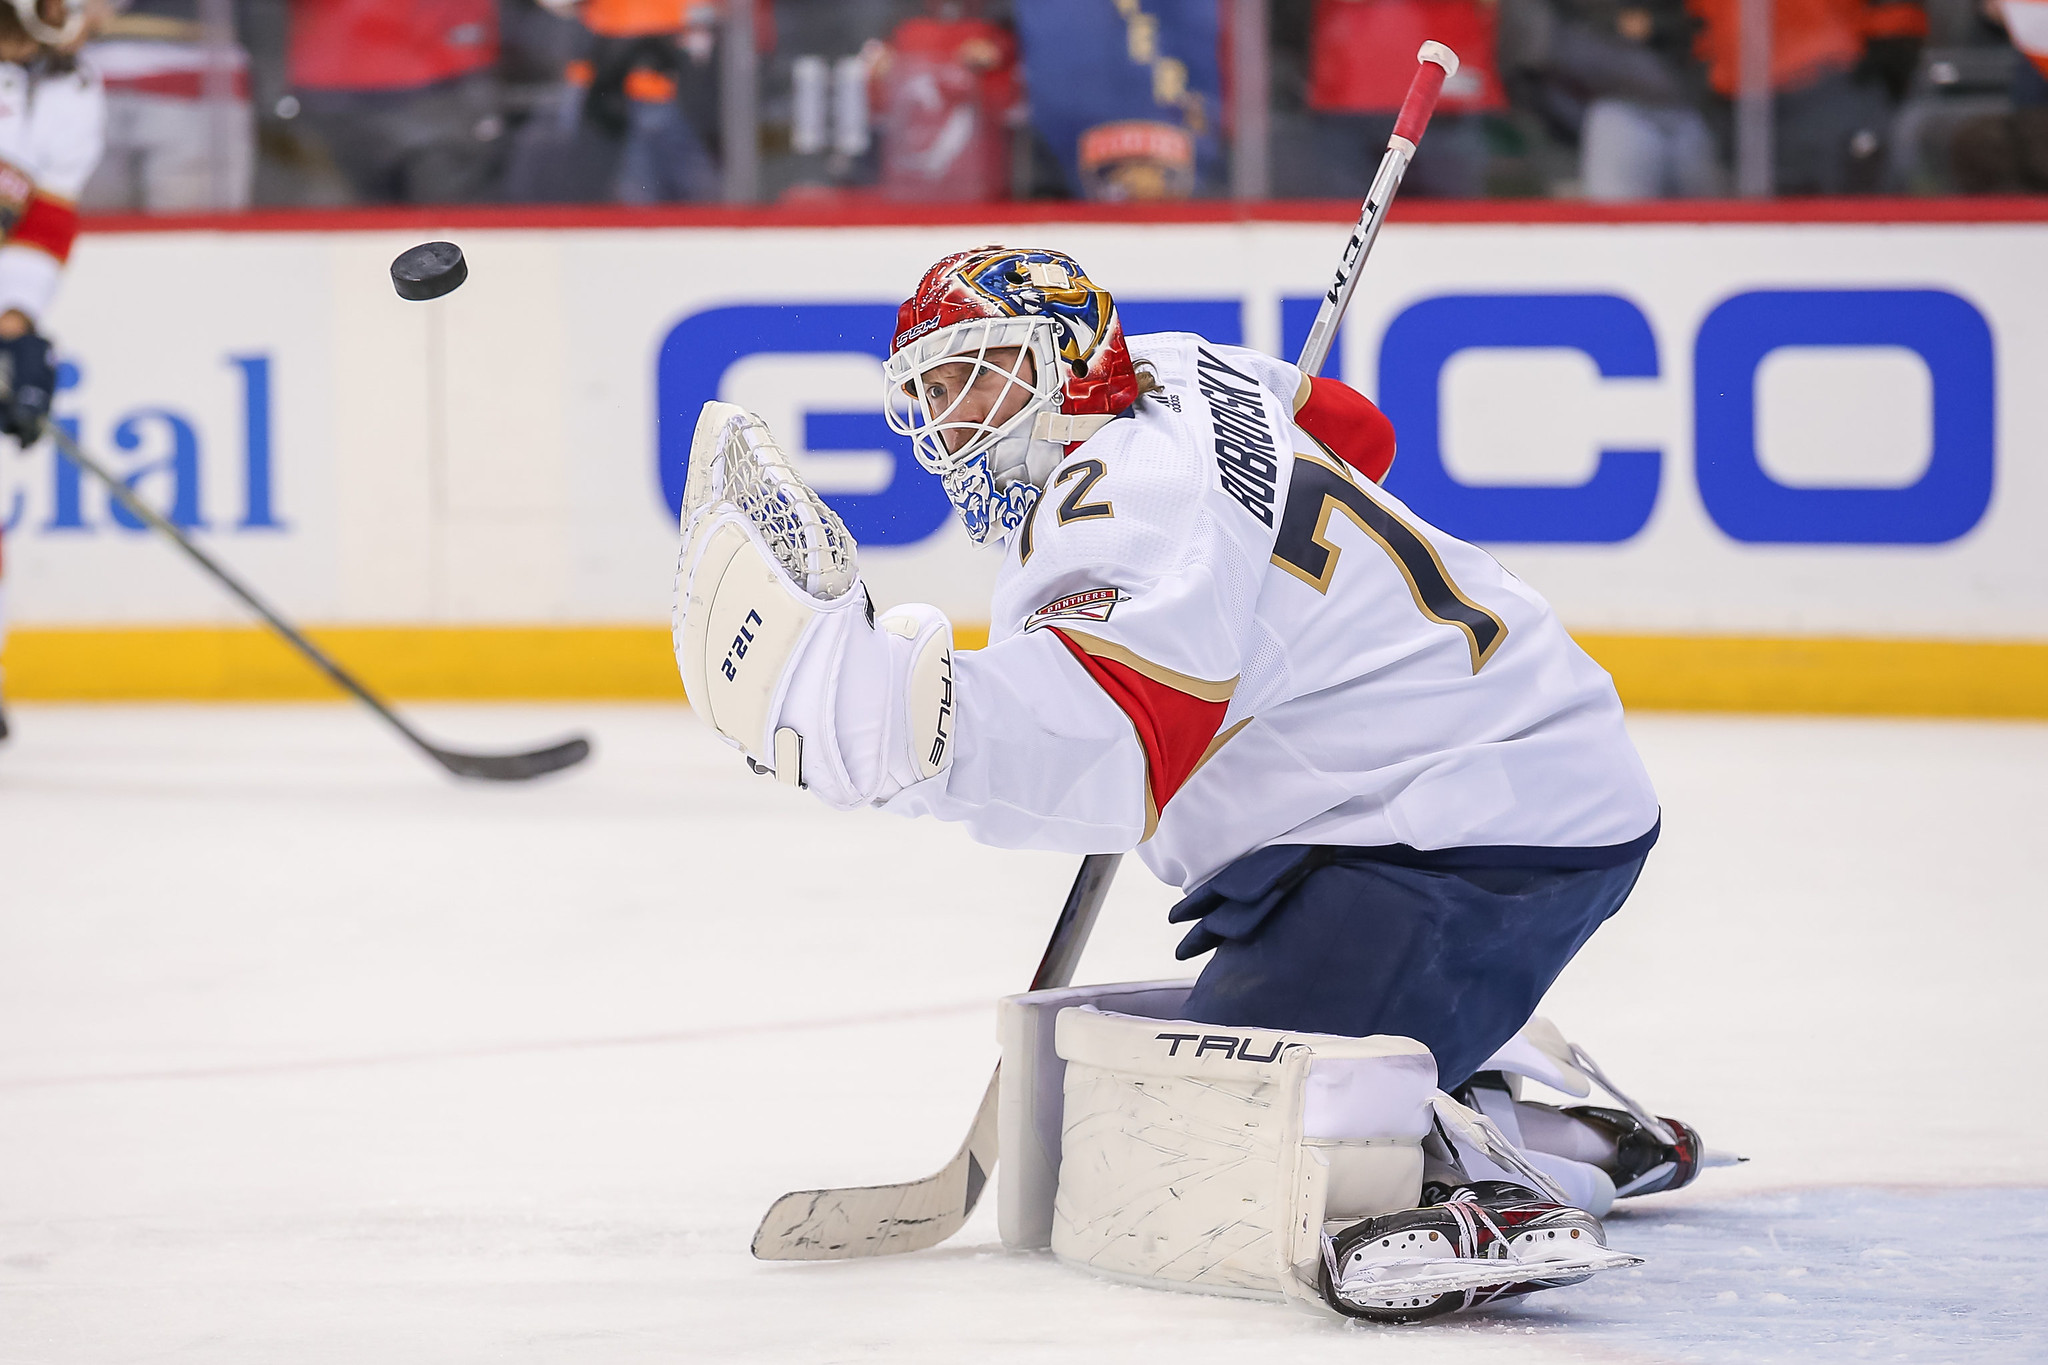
{"type": "Point", "coordinates": [1010, 460]}
{"type": "Point", "coordinates": [1040, 459]}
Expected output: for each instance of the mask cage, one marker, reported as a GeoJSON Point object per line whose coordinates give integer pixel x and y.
{"type": "Point", "coordinates": [909, 406]}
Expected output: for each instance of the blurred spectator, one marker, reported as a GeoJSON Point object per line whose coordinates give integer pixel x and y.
{"type": "Point", "coordinates": [647, 71]}
{"type": "Point", "coordinates": [1837, 67]}
{"type": "Point", "coordinates": [1126, 94]}
{"type": "Point", "coordinates": [1619, 76]}
{"type": "Point", "coordinates": [946, 92]}
{"type": "Point", "coordinates": [403, 94]}
{"type": "Point", "coordinates": [169, 148]}
{"type": "Point", "coordinates": [2008, 153]}
{"type": "Point", "coordinates": [1361, 60]}
{"type": "Point", "coordinates": [642, 115]}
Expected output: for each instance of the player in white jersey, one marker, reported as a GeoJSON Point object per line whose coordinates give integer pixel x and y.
{"type": "Point", "coordinates": [1398, 796]}
{"type": "Point", "coordinates": [52, 121]}
{"type": "Point", "coordinates": [1216, 640]}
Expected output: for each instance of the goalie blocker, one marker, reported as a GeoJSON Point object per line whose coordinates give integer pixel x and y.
{"type": "Point", "coordinates": [777, 640]}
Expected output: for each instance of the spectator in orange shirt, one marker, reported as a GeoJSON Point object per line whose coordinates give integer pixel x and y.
{"type": "Point", "coordinates": [1837, 68]}
{"type": "Point", "coordinates": [639, 110]}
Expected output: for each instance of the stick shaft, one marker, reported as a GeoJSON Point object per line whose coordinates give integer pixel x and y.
{"type": "Point", "coordinates": [1076, 921]}
{"type": "Point", "coordinates": [1430, 71]}
{"type": "Point", "coordinates": [120, 492]}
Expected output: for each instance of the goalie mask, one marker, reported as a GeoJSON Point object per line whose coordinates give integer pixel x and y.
{"type": "Point", "coordinates": [1057, 347]}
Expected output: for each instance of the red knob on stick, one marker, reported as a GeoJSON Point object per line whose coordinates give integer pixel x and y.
{"type": "Point", "coordinates": [1436, 63]}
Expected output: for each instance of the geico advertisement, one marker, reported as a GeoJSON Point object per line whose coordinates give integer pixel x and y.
{"type": "Point", "coordinates": [1667, 429]}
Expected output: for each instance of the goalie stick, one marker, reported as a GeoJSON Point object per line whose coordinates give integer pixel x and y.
{"type": "Point", "coordinates": [878, 1220]}
{"type": "Point", "coordinates": [487, 767]}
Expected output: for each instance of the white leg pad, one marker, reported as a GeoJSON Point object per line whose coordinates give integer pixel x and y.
{"type": "Point", "coordinates": [1032, 1095]}
{"type": "Point", "coordinates": [1199, 1157]}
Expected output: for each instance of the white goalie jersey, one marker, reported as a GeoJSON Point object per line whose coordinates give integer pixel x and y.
{"type": "Point", "coordinates": [1211, 636]}
{"type": "Point", "coordinates": [52, 126]}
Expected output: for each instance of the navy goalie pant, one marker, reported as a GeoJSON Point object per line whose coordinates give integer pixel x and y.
{"type": "Point", "coordinates": [1343, 940]}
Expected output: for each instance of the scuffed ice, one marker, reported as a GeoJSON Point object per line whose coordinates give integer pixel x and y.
{"type": "Point", "coordinates": [312, 1056]}
{"type": "Point", "coordinates": [1820, 1275]}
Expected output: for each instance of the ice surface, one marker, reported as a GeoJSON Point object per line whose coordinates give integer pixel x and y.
{"type": "Point", "coordinates": [310, 1054]}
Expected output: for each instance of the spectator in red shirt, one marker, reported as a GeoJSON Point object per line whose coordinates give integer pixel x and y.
{"type": "Point", "coordinates": [1361, 59]}
{"type": "Point", "coordinates": [946, 89]}
{"type": "Point", "coordinates": [403, 94]}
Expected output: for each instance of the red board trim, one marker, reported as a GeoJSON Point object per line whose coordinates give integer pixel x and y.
{"type": "Point", "coordinates": [2013, 209]}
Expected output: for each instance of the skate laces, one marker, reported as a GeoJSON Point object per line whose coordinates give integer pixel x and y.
{"type": "Point", "coordinates": [1485, 1215]}
{"type": "Point", "coordinates": [1658, 1128]}
{"type": "Point", "coordinates": [1484, 1134]}
{"type": "Point", "coordinates": [1465, 1209]}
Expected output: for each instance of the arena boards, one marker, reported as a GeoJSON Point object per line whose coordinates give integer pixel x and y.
{"type": "Point", "coordinates": [1762, 465]}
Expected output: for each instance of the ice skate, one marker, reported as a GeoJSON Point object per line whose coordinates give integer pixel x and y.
{"type": "Point", "coordinates": [1470, 1245]}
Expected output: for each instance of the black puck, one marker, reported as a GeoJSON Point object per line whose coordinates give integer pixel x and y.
{"type": "Point", "coordinates": [428, 271]}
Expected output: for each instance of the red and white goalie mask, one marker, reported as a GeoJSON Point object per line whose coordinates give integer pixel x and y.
{"type": "Point", "coordinates": [994, 347]}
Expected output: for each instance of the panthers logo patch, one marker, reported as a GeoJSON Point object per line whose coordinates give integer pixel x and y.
{"type": "Point", "coordinates": [1095, 604]}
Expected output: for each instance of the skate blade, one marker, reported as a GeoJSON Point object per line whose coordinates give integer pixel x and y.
{"type": "Point", "coordinates": [1711, 1158]}
{"type": "Point", "coordinates": [1424, 1278]}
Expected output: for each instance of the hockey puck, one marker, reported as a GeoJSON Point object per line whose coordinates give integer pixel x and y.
{"type": "Point", "coordinates": [428, 271]}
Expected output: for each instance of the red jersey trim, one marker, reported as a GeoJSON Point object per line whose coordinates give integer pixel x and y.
{"type": "Point", "coordinates": [1176, 727]}
{"type": "Point", "coordinates": [48, 224]}
{"type": "Point", "coordinates": [1347, 425]}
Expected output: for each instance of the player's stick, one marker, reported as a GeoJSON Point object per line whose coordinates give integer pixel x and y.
{"type": "Point", "coordinates": [489, 767]}
{"type": "Point", "coordinates": [875, 1220]}
{"type": "Point", "coordinates": [1434, 64]}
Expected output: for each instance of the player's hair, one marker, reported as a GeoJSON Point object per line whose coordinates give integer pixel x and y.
{"type": "Point", "coordinates": [1148, 378]}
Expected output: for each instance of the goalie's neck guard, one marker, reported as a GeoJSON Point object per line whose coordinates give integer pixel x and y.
{"type": "Point", "coordinates": [1053, 334]}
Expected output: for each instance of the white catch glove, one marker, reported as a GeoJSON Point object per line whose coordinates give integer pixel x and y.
{"type": "Point", "coordinates": [775, 635]}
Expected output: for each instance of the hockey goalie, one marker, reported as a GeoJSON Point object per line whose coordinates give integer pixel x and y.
{"type": "Point", "coordinates": [1397, 796]}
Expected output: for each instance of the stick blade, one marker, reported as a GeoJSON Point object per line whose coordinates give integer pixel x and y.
{"type": "Point", "coordinates": [883, 1220]}
{"type": "Point", "coordinates": [515, 767]}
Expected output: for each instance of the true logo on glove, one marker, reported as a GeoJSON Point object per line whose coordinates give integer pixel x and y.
{"type": "Point", "coordinates": [738, 648]}
{"type": "Point", "coordinates": [940, 739]}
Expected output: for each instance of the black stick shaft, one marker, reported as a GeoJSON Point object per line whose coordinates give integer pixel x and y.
{"type": "Point", "coordinates": [123, 494]}
{"type": "Point", "coordinates": [1077, 919]}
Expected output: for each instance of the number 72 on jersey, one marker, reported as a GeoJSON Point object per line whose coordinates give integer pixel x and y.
{"type": "Point", "coordinates": [1319, 491]}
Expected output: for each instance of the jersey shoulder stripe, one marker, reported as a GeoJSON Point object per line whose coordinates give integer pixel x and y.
{"type": "Point", "coordinates": [1176, 717]}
